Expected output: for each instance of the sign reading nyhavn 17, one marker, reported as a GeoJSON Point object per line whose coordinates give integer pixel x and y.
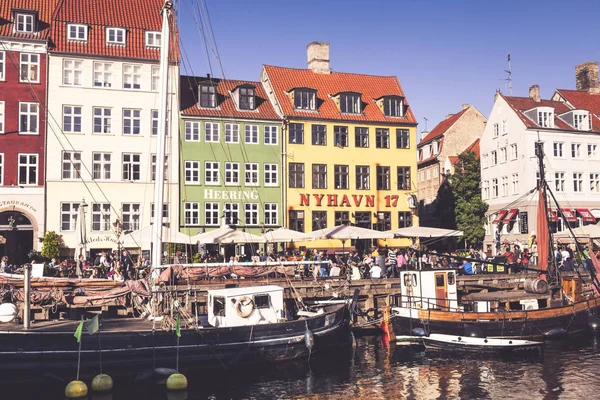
{"type": "Point", "coordinates": [354, 200]}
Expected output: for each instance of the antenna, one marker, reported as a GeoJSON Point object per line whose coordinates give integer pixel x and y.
{"type": "Point", "coordinates": [426, 120]}
{"type": "Point", "coordinates": [509, 75]}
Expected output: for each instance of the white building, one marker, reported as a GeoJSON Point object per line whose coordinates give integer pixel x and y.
{"type": "Point", "coordinates": [569, 127]}
{"type": "Point", "coordinates": [103, 119]}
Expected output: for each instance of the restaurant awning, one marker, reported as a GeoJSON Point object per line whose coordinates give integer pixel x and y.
{"type": "Point", "coordinates": [552, 215]}
{"type": "Point", "coordinates": [510, 216]}
{"type": "Point", "coordinates": [568, 214]}
{"type": "Point", "coordinates": [586, 215]}
{"type": "Point", "coordinates": [500, 216]}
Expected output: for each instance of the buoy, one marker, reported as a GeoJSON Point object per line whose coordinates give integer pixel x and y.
{"type": "Point", "coordinates": [76, 390]}
{"type": "Point", "coordinates": [309, 340]}
{"type": "Point", "coordinates": [177, 382]}
{"type": "Point", "coordinates": [102, 383]}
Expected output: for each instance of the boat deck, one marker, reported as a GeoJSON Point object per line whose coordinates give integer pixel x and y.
{"type": "Point", "coordinates": [512, 295]}
{"type": "Point", "coordinates": [61, 326]}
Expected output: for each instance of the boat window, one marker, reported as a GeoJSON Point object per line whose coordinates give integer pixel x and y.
{"type": "Point", "coordinates": [219, 306]}
{"type": "Point", "coordinates": [262, 300]}
{"type": "Point", "coordinates": [406, 277]}
{"type": "Point", "coordinates": [439, 280]}
{"type": "Point", "coordinates": [414, 279]}
{"type": "Point", "coordinates": [450, 278]}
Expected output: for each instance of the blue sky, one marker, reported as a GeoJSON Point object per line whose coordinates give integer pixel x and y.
{"type": "Point", "coordinates": [444, 53]}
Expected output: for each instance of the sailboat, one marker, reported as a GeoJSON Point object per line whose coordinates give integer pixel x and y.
{"type": "Point", "coordinates": [241, 325]}
{"type": "Point", "coordinates": [554, 305]}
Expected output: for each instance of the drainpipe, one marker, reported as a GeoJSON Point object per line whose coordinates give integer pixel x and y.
{"type": "Point", "coordinates": [284, 173]}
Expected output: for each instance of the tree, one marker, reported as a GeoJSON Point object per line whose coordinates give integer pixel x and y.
{"type": "Point", "coordinates": [469, 208]}
{"type": "Point", "coordinates": [52, 244]}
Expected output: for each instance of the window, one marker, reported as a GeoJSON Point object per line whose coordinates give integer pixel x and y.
{"type": "Point", "coordinates": [102, 74]}
{"type": "Point", "coordinates": [1, 117]}
{"type": "Point", "coordinates": [101, 166]}
{"type": "Point", "coordinates": [131, 121]}
{"type": "Point", "coordinates": [71, 165]}
{"type": "Point", "coordinates": [246, 98]}
{"type": "Point", "coordinates": [319, 220]}
{"type": "Point", "coordinates": [558, 149]}
{"type": "Point", "coordinates": [494, 187]}
{"type": "Point", "coordinates": [132, 76]}
{"type": "Point", "coordinates": [361, 137]}
{"type": "Point", "coordinates": [251, 213]}
{"type": "Point", "coordinates": [219, 306]}
{"type": "Point", "coordinates": [24, 23]}
{"type": "Point", "coordinates": [72, 72]}
{"type": "Point", "coordinates": [271, 134]}
{"type": "Point", "coordinates": [296, 175]}
{"type": "Point", "coordinates": [102, 119]}
{"type": "Point", "coordinates": [485, 160]}
{"type": "Point", "coordinates": [382, 138]}
{"type": "Point", "coordinates": [100, 217]}
{"type": "Point", "coordinates": [297, 220]}
{"type": "Point", "coordinates": [154, 78]}
{"type": "Point", "coordinates": [581, 121]}
{"type": "Point", "coordinates": [251, 134]}
{"type": "Point", "coordinates": [30, 68]}
{"type": "Point", "coordinates": [68, 216]}
{"type": "Point", "coordinates": [232, 213]}
{"type": "Point", "coordinates": [208, 96]}
{"type": "Point", "coordinates": [486, 190]}
{"type": "Point", "coordinates": [384, 221]}
{"type": "Point", "coordinates": [577, 182]}
{"type": "Point", "coordinates": [319, 135]}
{"type": "Point", "coordinates": [393, 107]}
{"type": "Point", "coordinates": [304, 99]}
{"type": "Point", "coordinates": [341, 176]}
{"type": "Point", "coordinates": [494, 157]}
{"type": "Point", "coordinates": [341, 218]}
{"type": "Point", "coordinates": [2, 65]}
{"type": "Point", "coordinates": [513, 151]}
{"type": "Point", "coordinates": [251, 174]}
{"type": "Point", "coordinates": [383, 178]}
{"type": "Point", "coordinates": [211, 132]}
{"type": "Point", "coordinates": [404, 219]}
{"type": "Point", "coordinates": [77, 32]}
{"type": "Point", "coordinates": [1, 169]}
{"type": "Point", "coordinates": [503, 155]}
{"type": "Point", "coordinates": [592, 149]}
{"type": "Point", "coordinates": [271, 212]}
{"type": "Point", "coordinates": [28, 169]}
{"type": "Point", "coordinates": [165, 213]}
{"type": "Point", "coordinates": [341, 136]}
{"type": "Point", "coordinates": [514, 181]}
{"type": "Point", "coordinates": [504, 129]}
{"type": "Point", "coordinates": [72, 119]}
{"type": "Point", "coordinates": [28, 118]}
{"type": "Point", "coordinates": [131, 167]}
{"type": "Point", "coordinates": [153, 39]}
{"type": "Point", "coordinates": [594, 182]}
{"type": "Point", "coordinates": [192, 131]}
{"type": "Point", "coordinates": [545, 119]}
{"type": "Point", "coordinates": [211, 173]}
{"type": "Point", "coordinates": [131, 216]}
{"type": "Point", "coordinates": [559, 181]}
{"type": "Point", "coordinates": [350, 103]}
{"type": "Point", "coordinates": [192, 172]}
{"type": "Point", "coordinates": [232, 173]}
{"type": "Point", "coordinates": [319, 176]}
{"type": "Point", "coordinates": [496, 130]}
{"type": "Point", "coordinates": [403, 178]}
{"type": "Point", "coordinates": [296, 133]}
{"type": "Point", "coordinates": [271, 175]}
{"type": "Point", "coordinates": [232, 133]}
{"type": "Point", "coordinates": [536, 149]}
{"type": "Point", "coordinates": [402, 139]}
{"type": "Point", "coordinates": [575, 150]}
{"type": "Point", "coordinates": [505, 186]}
{"type": "Point", "coordinates": [153, 167]}
{"type": "Point", "coordinates": [523, 222]}
{"type": "Point", "coordinates": [154, 122]}
{"type": "Point", "coordinates": [363, 177]}
{"type": "Point", "coordinates": [115, 35]}
{"type": "Point", "coordinates": [211, 214]}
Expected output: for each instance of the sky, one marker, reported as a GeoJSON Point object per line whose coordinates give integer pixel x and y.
{"type": "Point", "coordinates": [444, 53]}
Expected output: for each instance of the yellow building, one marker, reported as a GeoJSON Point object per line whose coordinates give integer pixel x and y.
{"type": "Point", "coordinates": [349, 148]}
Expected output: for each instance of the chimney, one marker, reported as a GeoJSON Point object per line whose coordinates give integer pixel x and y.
{"type": "Point", "coordinates": [534, 93]}
{"type": "Point", "coordinates": [449, 116]}
{"type": "Point", "coordinates": [586, 76]}
{"type": "Point", "coordinates": [318, 57]}
{"type": "Point", "coordinates": [465, 106]}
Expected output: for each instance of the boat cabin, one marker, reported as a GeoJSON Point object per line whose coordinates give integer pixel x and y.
{"type": "Point", "coordinates": [245, 306]}
{"type": "Point", "coordinates": [434, 289]}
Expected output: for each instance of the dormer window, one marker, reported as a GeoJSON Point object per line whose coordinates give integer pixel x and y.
{"type": "Point", "coordinates": [393, 106]}
{"type": "Point", "coordinates": [545, 118]}
{"type": "Point", "coordinates": [208, 96]}
{"type": "Point", "coordinates": [436, 148]}
{"type": "Point", "coordinates": [115, 36]}
{"type": "Point", "coordinates": [24, 22]}
{"type": "Point", "coordinates": [581, 120]}
{"type": "Point", "coordinates": [77, 32]}
{"type": "Point", "coordinates": [246, 98]}
{"type": "Point", "coordinates": [305, 99]}
{"type": "Point", "coordinates": [153, 39]}
{"type": "Point", "coordinates": [350, 103]}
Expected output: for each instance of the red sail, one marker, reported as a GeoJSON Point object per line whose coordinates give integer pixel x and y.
{"type": "Point", "coordinates": [542, 229]}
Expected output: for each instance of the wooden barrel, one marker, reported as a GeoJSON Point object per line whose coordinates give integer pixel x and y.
{"type": "Point", "coordinates": [537, 285]}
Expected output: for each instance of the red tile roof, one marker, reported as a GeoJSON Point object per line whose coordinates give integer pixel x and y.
{"type": "Point", "coordinates": [136, 16]}
{"type": "Point", "coordinates": [584, 100]}
{"type": "Point", "coordinates": [369, 86]}
{"type": "Point", "coordinates": [226, 105]}
{"type": "Point", "coordinates": [442, 127]}
{"type": "Point", "coordinates": [474, 147]}
{"type": "Point", "coordinates": [44, 9]}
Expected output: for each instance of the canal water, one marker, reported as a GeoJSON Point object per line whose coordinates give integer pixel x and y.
{"type": "Point", "coordinates": [372, 370]}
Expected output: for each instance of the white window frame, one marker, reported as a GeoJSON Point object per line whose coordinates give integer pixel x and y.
{"type": "Point", "coordinates": [132, 76]}
{"type": "Point", "coordinates": [103, 74]}
{"type": "Point", "coordinates": [24, 23]}
{"type": "Point", "coordinates": [577, 182]}
{"type": "Point", "coordinates": [251, 134]}
{"type": "Point", "coordinates": [153, 39]}
{"type": "Point", "coordinates": [71, 165]}
{"type": "Point", "coordinates": [132, 119]}
{"type": "Point", "coordinates": [495, 188]}
{"type": "Point", "coordinates": [558, 149]}
{"type": "Point", "coordinates": [154, 78]}
{"type": "Point", "coordinates": [211, 173]}
{"type": "Point", "coordinates": [192, 172]}
{"type": "Point", "coordinates": [154, 122]}
{"type": "Point", "coordinates": [2, 66]}
{"type": "Point", "coordinates": [115, 32]}
{"type": "Point", "coordinates": [503, 155]}
{"type": "Point", "coordinates": [271, 135]}
{"type": "Point", "coordinates": [131, 164]}
{"type": "Point", "coordinates": [29, 115]}
{"type": "Point", "coordinates": [29, 65]}
{"type": "Point", "coordinates": [132, 216]}
{"type": "Point", "coordinates": [251, 174]}
{"type": "Point", "coordinates": [496, 130]}
{"type": "Point", "coordinates": [71, 214]}
{"type": "Point", "coordinates": [101, 217]}
{"type": "Point", "coordinates": [211, 132]}
{"type": "Point", "coordinates": [271, 214]}
{"type": "Point", "coordinates": [514, 182]}
{"type": "Point", "coordinates": [594, 182]}
{"type": "Point", "coordinates": [101, 120]}
{"type": "Point", "coordinates": [28, 172]}
{"type": "Point", "coordinates": [232, 213]}
{"type": "Point", "coordinates": [232, 173]}
{"type": "Point", "coordinates": [192, 131]}
{"type": "Point", "coordinates": [576, 150]}
{"type": "Point", "coordinates": [545, 119]}
{"type": "Point", "coordinates": [1, 117]}
{"type": "Point", "coordinates": [104, 166]}
{"type": "Point", "coordinates": [514, 152]}
{"type": "Point", "coordinates": [72, 117]}
{"type": "Point", "coordinates": [485, 185]}
{"type": "Point", "coordinates": [72, 72]}
{"type": "Point", "coordinates": [1, 169]}
{"type": "Point", "coordinates": [559, 182]}
{"type": "Point", "coordinates": [211, 214]}
{"type": "Point", "coordinates": [232, 133]}
{"type": "Point", "coordinates": [493, 157]}
{"type": "Point", "coordinates": [271, 174]}
{"type": "Point", "coordinates": [191, 213]}
{"type": "Point", "coordinates": [251, 214]}
{"type": "Point", "coordinates": [505, 186]}
{"type": "Point", "coordinates": [592, 151]}
{"type": "Point", "coordinates": [153, 167]}
{"type": "Point", "coordinates": [166, 216]}
{"type": "Point", "coordinates": [77, 32]}
{"type": "Point", "coordinates": [581, 120]}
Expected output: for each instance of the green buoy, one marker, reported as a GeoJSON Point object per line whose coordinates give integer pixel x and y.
{"type": "Point", "coordinates": [102, 383]}
{"type": "Point", "coordinates": [177, 382]}
{"type": "Point", "coordinates": [76, 390]}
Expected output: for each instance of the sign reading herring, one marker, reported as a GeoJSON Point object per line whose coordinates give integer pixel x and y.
{"type": "Point", "coordinates": [212, 194]}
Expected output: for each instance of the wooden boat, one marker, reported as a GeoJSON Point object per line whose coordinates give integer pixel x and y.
{"type": "Point", "coordinates": [469, 344]}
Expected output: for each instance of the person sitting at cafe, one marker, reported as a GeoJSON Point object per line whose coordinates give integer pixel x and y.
{"type": "Point", "coordinates": [466, 268]}
{"type": "Point", "coordinates": [375, 271]}
{"type": "Point", "coordinates": [509, 255]}
{"type": "Point", "coordinates": [355, 276]}
{"type": "Point", "coordinates": [335, 270]}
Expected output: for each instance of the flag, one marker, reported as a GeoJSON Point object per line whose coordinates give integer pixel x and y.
{"type": "Point", "coordinates": [79, 331]}
{"type": "Point", "coordinates": [178, 325]}
{"type": "Point", "coordinates": [93, 325]}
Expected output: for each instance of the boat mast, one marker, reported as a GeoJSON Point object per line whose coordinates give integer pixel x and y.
{"type": "Point", "coordinates": [161, 138]}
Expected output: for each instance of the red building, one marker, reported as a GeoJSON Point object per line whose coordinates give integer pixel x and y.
{"type": "Point", "coordinates": [24, 41]}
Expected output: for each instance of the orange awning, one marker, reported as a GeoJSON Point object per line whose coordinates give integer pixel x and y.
{"type": "Point", "coordinates": [500, 216]}
{"type": "Point", "coordinates": [568, 214]}
{"type": "Point", "coordinates": [511, 214]}
{"type": "Point", "coordinates": [586, 215]}
{"type": "Point", "coordinates": [552, 215]}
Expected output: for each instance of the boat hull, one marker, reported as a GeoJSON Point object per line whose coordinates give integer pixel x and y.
{"type": "Point", "coordinates": [450, 343]}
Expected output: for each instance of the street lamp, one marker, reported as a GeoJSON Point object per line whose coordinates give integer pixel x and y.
{"type": "Point", "coordinates": [118, 230]}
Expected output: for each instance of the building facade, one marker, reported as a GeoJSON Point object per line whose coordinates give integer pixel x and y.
{"type": "Point", "coordinates": [568, 127]}
{"type": "Point", "coordinates": [24, 43]}
{"type": "Point", "coordinates": [348, 146]}
{"type": "Point", "coordinates": [230, 156]}
{"type": "Point", "coordinates": [103, 115]}
{"type": "Point", "coordinates": [437, 152]}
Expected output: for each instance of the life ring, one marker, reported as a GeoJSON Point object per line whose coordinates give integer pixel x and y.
{"type": "Point", "coordinates": [244, 307]}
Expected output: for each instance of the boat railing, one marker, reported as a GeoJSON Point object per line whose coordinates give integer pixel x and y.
{"type": "Point", "coordinates": [245, 264]}
{"type": "Point", "coordinates": [425, 303]}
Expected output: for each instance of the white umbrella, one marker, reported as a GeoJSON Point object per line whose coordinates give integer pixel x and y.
{"type": "Point", "coordinates": [591, 231]}
{"type": "Point", "coordinates": [80, 231]}
{"type": "Point", "coordinates": [345, 232]}
{"type": "Point", "coordinates": [283, 235]}
{"type": "Point", "coordinates": [424, 231]}
{"type": "Point", "coordinates": [146, 235]}
{"type": "Point", "coordinates": [226, 235]}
